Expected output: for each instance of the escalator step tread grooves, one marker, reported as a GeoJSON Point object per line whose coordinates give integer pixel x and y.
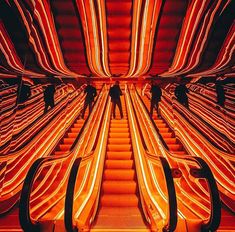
{"type": "Point", "coordinates": [119, 185]}
{"type": "Point", "coordinates": [167, 133]}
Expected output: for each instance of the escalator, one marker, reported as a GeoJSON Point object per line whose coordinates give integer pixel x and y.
{"type": "Point", "coordinates": [119, 206]}
{"type": "Point", "coordinates": [43, 194]}
{"type": "Point", "coordinates": [175, 147]}
{"type": "Point", "coordinates": [166, 132]}
{"type": "Point", "coordinates": [70, 137]}
{"type": "Point", "coordinates": [10, 222]}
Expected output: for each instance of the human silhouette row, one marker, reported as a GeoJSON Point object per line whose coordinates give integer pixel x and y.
{"type": "Point", "coordinates": [115, 93]}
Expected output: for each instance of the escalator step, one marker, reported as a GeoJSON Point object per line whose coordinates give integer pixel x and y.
{"type": "Point", "coordinates": [119, 140]}
{"type": "Point", "coordinates": [75, 130]}
{"type": "Point", "coordinates": [69, 140]}
{"type": "Point", "coordinates": [121, 155]}
{"type": "Point", "coordinates": [116, 187]}
{"type": "Point", "coordinates": [158, 121]}
{"type": "Point", "coordinates": [119, 174]}
{"type": "Point", "coordinates": [126, 147]}
{"type": "Point", "coordinates": [120, 121]}
{"type": "Point", "coordinates": [170, 140]}
{"type": "Point", "coordinates": [119, 200]}
{"type": "Point", "coordinates": [59, 153]}
{"type": "Point", "coordinates": [119, 135]}
{"type": "Point", "coordinates": [64, 147]}
{"type": "Point", "coordinates": [119, 164]}
{"type": "Point", "coordinates": [164, 130]}
{"type": "Point", "coordinates": [161, 125]}
{"type": "Point", "coordinates": [77, 125]}
{"type": "Point", "coordinates": [175, 147]}
{"type": "Point", "coordinates": [167, 135]}
{"type": "Point", "coordinates": [72, 135]}
{"type": "Point", "coordinates": [119, 130]}
{"type": "Point", "coordinates": [117, 125]}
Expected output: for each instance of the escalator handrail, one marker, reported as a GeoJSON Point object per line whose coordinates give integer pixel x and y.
{"type": "Point", "coordinates": [24, 212]}
{"type": "Point", "coordinates": [24, 209]}
{"type": "Point", "coordinates": [215, 214]}
{"type": "Point", "coordinates": [172, 202]}
{"type": "Point", "coordinates": [68, 215]}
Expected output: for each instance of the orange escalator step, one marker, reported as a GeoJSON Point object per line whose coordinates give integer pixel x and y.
{"type": "Point", "coordinates": [161, 125]}
{"type": "Point", "coordinates": [119, 130]}
{"type": "Point", "coordinates": [69, 140]}
{"type": "Point", "coordinates": [72, 135]}
{"type": "Point", "coordinates": [119, 141]}
{"type": "Point", "coordinates": [119, 155]}
{"type": "Point", "coordinates": [115, 187]}
{"type": "Point", "coordinates": [170, 140]}
{"type": "Point", "coordinates": [75, 130]}
{"type": "Point", "coordinates": [119, 174]}
{"type": "Point", "coordinates": [64, 147]}
{"type": "Point", "coordinates": [167, 134]}
{"type": "Point", "coordinates": [164, 130]}
{"type": "Point", "coordinates": [119, 200]}
{"type": "Point", "coordinates": [175, 147]}
{"type": "Point", "coordinates": [126, 147]}
{"type": "Point", "coordinates": [119, 164]}
{"type": "Point", "coordinates": [77, 125]}
{"type": "Point", "coordinates": [119, 135]}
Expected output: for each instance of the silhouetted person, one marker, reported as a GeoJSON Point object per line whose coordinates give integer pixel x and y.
{"type": "Point", "coordinates": [155, 98]}
{"type": "Point", "coordinates": [49, 92]}
{"type": "Point", "coordinates": [115, 93]}
{"type": "Point", "coordinates": [220, 94]}
{"type": "Point", "coordinates": [25, 93]}
{"type": "Point", "coordinates": [181, 93]}
{"type": "Point", "coordinates": [91, 93]}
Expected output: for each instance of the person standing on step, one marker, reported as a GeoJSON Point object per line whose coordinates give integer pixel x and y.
{"type": "Point", "coordinates": [115, 93]}
{"type": "Point", "coordinates": [220, 93]}
{"type": "Point", "coordinates": [49, 92]}
{"type": "Point", "coordinates": [91, 93]}
{"type": "Point", "coordinates": [181, 94]}
{"type": "Point", "coordinates": [155, 98]}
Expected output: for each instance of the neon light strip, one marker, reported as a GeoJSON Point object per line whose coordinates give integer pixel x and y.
{"type": "Point", "coordinates": [135, 35]}
{"type": "Point", "coordinates": [103, 33]}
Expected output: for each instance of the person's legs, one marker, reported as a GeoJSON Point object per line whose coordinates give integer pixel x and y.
{"type": "Point", "coordinates": [46, 107]}
{"type": "Point", "coordinates": [90, 107]}
{"type": "Point", "coordinates": [84, 108]}
{"type": "Point", "coordinates": [120, 108]}
{"type": "Point", "coordinates": [114, 109]}
{"type": "Point", "coordinates": [185, 103]}
{"type": "Point", "coordinates": [157, 109]}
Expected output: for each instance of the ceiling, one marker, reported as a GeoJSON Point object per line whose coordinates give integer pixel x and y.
{"type": "Point", "coordinates": [116, 38]}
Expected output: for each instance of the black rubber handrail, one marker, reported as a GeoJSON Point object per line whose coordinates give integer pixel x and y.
{"type": "Point", "coordinates": [69, 199]}
{"type": "Point", "coordinates": [215, 214]}
{"type": "Point", "coordinates": [24, 210]}
{"type": "Point", "coordinates": [172, 202]}
{"type": "Point", "coordinates": [205, 173]}
{"type": "Point", "coordinates": [26, 222]}
{"type": "Point", "coordinates": [68, 216]}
